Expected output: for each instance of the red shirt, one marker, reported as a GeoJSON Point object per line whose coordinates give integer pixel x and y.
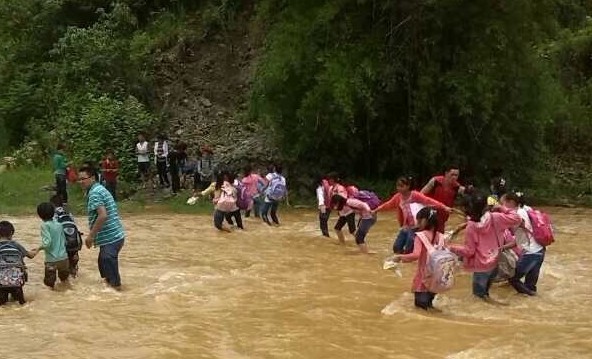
{"type": "Point", "coordinates": [110, 176]}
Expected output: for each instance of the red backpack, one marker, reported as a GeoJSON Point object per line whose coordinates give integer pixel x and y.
{"type": "Point", "coordinates": [542, 229]}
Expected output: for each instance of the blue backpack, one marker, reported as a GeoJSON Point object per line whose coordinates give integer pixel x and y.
{"type": "Point", "coordinates": [276, 189]}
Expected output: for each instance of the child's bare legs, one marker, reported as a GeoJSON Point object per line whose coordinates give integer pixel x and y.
{"type": "Point", "coordinates": [340, 236]}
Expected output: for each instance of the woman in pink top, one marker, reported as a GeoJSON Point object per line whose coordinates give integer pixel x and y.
{"type": "Point", "coordinates": [427, 223]}
{"type": "Point", "coordinates": [402, 201]}
{"type": "Point", "coordinates": [484, 241]}
{"type": "Point", "coordinates": [367, 218]}
{"type": "Point", "coordinates": [252, 182]}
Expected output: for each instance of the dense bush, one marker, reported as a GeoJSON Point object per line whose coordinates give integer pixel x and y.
{"type": "Point", "coordinates": [91, 125]}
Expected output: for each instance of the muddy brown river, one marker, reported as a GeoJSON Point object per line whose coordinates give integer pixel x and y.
{"type": "Point", "coordinates": [191, 292]}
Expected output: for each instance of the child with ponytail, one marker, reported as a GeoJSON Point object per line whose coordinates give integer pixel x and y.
{"type": "Point", "coordinates": [427, 225]}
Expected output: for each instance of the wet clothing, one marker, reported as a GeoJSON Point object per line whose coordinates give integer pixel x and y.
{"type": "Point", "coordinates": [482, 240]}
{"type": "Point", "coordinates": [53, 270]}
{"type": "Point", "coordinates": [443, 193]}
{"type": "Point", "coordinates": [112, 230]}
{"type": "Point", "coordinates": [53, 241]}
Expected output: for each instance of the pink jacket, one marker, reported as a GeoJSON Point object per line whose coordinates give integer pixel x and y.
{"type": "Point", "coordinates": [420, 254]}
{"type": "Point", "coordinates": [250, 183]}
{"type": "Point", "coordinates": [415, 197]}
{"type": "Point", "coordinates": [357, 206]}
{"type": "Point", "coordinates": [484, 238]}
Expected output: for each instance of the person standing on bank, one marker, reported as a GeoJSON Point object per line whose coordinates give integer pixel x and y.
{"type": "Point", "coordinates": [110, 170]}
{"type": "Point", "coordinates": [444, 189]}
{"type": "Point", "coordinates": [106, 230]}
{"type": "Point", "coordinates": [143, 158]}
{"type": "Point", "coordinates": [60, 166]}
{"type": "Point", "coordinates": [161, 154]}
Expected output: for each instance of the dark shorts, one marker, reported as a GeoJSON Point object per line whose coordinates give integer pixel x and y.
{"type": "Point", "coordinates": [53, 270]}
{"type": "Point", "coordinates": [350, 220]}
{"type": "Point", "coordinates": [143, 167]}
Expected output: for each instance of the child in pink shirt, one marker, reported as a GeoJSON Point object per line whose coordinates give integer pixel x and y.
{"type": "Point", "coordinates": [484, 241]}
{"type": "Point", "coordinates": [427, 223]}
{"type": "Point", "coordinates": [251, 181]}
{"type": "Point", "coordinates": [367, 218]}
{"type": "Point", "coordinates": [402, 202]}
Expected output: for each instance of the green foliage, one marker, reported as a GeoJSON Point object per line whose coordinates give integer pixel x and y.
{"type": "Point", "coordinates": [379, 89]}
{"type": "Point", "coordinates": [91, 125]}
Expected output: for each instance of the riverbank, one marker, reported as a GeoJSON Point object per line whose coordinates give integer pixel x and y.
{"type": "Point", "coordinates": [23, 188]}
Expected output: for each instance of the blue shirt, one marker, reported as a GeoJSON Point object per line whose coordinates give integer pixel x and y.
{"type": "Point", "coordinates": [112, 230]}
{"type": "Point", "coordinates": [53, 241]}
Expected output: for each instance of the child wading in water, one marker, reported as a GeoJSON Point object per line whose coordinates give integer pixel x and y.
{"type": "Point", "coordinates": [53, 242]}
{"type": "Point", "coordinates": [533, 255]}
{"type": "Point", "coordinates": [427, 225]}
{"type": "Point", "coordinates": [367, 219]}
{"type": "Point", "coordinates": [403, 201]}
{"type": "Point", "coordinates": [482, 241]}
{"type": "Point", "coordinates": [225, 196]}
{"type": "Point", "coordinates": [13, 273]}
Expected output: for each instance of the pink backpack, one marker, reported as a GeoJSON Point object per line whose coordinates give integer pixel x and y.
{"type": "Point", "coordinates": [542, 229]}
{"type": "Point", "coordinates": [440, 263]}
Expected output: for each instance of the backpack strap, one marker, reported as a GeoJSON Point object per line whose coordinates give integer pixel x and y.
{"type": "Point", "coordinates": [426, 242]}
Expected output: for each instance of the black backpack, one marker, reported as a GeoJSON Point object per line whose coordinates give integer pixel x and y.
{"type": "Point", "coordinates": [73, 235]}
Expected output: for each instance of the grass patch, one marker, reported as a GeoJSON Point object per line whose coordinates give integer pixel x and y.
{"type": "Point", "coordinates": [22, 189]}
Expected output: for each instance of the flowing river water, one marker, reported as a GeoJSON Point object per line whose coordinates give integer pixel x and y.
{"type": "Point", "coordinates": [191, 292]}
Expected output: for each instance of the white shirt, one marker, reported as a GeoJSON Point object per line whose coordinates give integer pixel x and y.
{"type": "Point", "coordinates": [142, 150]}
{"type": "Point", "coordinates": [165, 149]}
{"type": "Point", "coordinates": [524, 236]}
{"type": "Point", "coordinates": [321, 195]}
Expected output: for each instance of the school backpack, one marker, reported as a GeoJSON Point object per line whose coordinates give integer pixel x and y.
{"type": "Point", "coordinates": [440, 263]}
{"type": "Point", "coordinates": [227, 200]}
{"type": "Point", "coordinates": [368, 197]}
{"type": "Point", "coordinates": [12, 271]}
{"type": "Point", "coordinates": [277, 189]}
{"type": "Point", "coordinates": [73, 235]}
{"type": "Point", "coordinates": [542, 229]}
{"type": "Point", "coordinates": [242, 197]}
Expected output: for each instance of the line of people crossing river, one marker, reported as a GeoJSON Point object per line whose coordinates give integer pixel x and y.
{"type": "Point", "coordinates": [504, 239]}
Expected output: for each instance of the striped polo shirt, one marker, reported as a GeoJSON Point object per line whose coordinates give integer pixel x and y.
{"type": "Point", "coordinates": [112, 230]}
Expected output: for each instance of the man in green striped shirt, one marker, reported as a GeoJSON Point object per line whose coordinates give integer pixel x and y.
{"type": "Point", "coordinates": [106, 230]}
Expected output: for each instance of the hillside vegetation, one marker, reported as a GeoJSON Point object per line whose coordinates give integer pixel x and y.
{"type": "Point", "coordinates": [373, 89]}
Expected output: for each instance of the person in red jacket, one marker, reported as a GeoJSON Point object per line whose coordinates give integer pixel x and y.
{"type": "Point", "coordinates": [444, 189]}
{"type": "Point", "coordinates": [110, 170]}
{"type": "Point", "coordinates": [407, 203]}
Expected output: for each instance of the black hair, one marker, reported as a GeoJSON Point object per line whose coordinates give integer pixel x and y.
{"type": "Point", "coordinates": [247, 170]}
{"type": "Point", "coordinates": [219, 179]}
{"type": "Point", "coordinates": [89, 169]}
{"type": "Point", "coordinates": [333, 176]}
{"type": "Point", "coordinates": [338, 202]}
{"type": "Point", "coordinates": [405, 180]}
{"type": "Point", "coordinates": [56, 200]}
{"type": "Point", "coordinates": [278, 169]}
{"type": "Point", "coordinates": [517, 197]}
{"type": "Point", "coordinates": [451, 166]}
{"type": "Point", "coordinates": [431, 216]}
{"type": "Point", "coordinates": [46, 211]}
{"type": "Point", "coordinates": [475, 204]}
{"type": "Point", "coordinates": [61, 146]}
{"type": "Point", "coordinates": [6, 229]}
{"type": "Point", "coordinates": [498, 185]}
